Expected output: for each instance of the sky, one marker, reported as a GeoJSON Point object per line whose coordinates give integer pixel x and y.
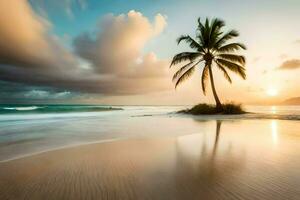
{"type": "Point", "coordinates": [118, 52]}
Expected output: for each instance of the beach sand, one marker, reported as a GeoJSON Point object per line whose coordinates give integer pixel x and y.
{"type": "Point", "coordinates": [197, 166]}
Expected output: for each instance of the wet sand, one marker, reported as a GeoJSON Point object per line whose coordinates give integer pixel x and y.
{"type": "Point", "coordinates": [220, 165]}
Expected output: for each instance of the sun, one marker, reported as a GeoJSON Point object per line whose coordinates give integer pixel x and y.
{"type": "Point", "coordinates": [272, 92]}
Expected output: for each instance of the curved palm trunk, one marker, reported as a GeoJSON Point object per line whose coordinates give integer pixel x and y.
{"type": "Point", "coordinates": [218, 103]}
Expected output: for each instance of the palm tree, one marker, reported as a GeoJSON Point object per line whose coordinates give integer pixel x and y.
{"type": "Point", "coordinates": [212, 48]}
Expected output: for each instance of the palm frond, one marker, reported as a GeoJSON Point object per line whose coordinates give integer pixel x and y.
{"type": "Point", "coordinates": [216, 24]}
{"type": "Point", "coordinates": [204, 32]}
{"type": "Point", "coordinates": [231, 47]}
{"type": "Point", "coordinates": [181, 70]}
{"type": "Point", "coordinates": [185, 68]}
{"type": "Point", "coordinates": [226, 75]}
{"type": "Point", "coordinates": [201, 33]}
{"type": "Point", "coordinates": [192, 43]}
{"type": "Point", "coordinates": [200, 25]}
{"type": "Point", "coordinates": [204, 79]}
{"type": "Point", "coordinates": [215, 31]}
{"type": "Point", "coordinates": [185, 76]}
{"type": "Point", "coordinates": [184, 56]}
{"type": "Point", "coordinates": [233, 57]}
{"type": "Point", "coordinates": [227, 36]}
{"type": "Point", "coordinates": [234, 67]}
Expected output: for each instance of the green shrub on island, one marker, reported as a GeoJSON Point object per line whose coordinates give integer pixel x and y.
{"type": "Point", "coordinates": [232, 109]}
{"type": "Point", "coordinates": [209, 109]}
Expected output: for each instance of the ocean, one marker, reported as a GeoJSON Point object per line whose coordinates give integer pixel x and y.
{"type": "Point", "coordinates": [31, 129]}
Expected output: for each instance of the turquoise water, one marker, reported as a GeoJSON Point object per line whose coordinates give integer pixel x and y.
{"type": "Point", "coordinates": [26, 109]}
{"type": "Point", "coordinates": [30, 129]}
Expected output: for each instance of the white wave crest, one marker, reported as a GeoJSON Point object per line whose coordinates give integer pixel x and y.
{"type": "Point", "coordinates": [22, 108]}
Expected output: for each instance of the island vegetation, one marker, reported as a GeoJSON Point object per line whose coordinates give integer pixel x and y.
{"type": "Point", "coordinates": [209, 109]}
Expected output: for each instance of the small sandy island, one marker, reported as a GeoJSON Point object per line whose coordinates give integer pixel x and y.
{"type": "Point", "coordinates": [184, 167]}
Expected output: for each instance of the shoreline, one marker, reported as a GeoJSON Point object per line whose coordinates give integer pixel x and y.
{"type": "Point", "coordinates": [208, 118]}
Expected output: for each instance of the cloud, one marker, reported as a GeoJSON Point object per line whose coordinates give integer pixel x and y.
{"type": "Point", "coordinates": [21, 93]}
{"type": "Point", "coordinates": [28, 53]}
{"type": "Point", "coordinates": [25, 41]}
{"type": "Point", "coordinates": [290, 64]}
{"type": "Point", "coordinates": [118, 46]}
{"type": "Point", "coordinates": [116, 51]}
{"type": "Point", "coordinates": [110, 62]}
{"type": "Point", "coordinates": [45, 94]}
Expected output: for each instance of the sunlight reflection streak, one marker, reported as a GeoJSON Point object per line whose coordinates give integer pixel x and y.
{"type": "Point", "coordinates": [274, 131]}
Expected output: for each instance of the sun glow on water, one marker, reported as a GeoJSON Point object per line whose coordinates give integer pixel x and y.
{"type": "Point", "coordinates": [273, 109]}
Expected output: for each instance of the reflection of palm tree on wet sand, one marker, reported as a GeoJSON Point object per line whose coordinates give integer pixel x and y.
{"type": "Point", "coordinates": [211, 170]}
{"type": "Point", "coordinates": [218, 128]}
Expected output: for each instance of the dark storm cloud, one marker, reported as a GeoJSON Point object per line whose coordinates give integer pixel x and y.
{"type": "Point", "coordinates": [111, 63]}
{"type": "Point", "coordinates": [22, 93]}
